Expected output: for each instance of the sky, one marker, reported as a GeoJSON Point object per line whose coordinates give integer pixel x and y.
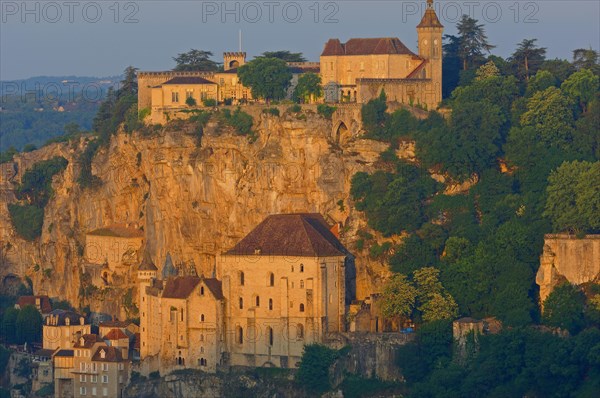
{"type": "Point", "coordinates": [103, 37]}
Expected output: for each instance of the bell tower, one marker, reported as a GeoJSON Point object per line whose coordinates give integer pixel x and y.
{"type": "Point", "coordinates": [232, 60]}
{"type": "Point", "coordinates": [430, 32]}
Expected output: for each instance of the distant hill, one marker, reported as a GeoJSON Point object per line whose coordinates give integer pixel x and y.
{"type": "Point", "coordinates": [36, 109]}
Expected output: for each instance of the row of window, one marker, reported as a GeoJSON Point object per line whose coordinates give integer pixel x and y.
{"type": "Point", "coordinates": [83, 391]}
{"type": "Point", "coordinates": [83, 367]}
{"type": "Point", "coordinates": [270, 279]}
{"type": "Point", "coordinates": [94, 379]}
{"type": "Point", "coordinates": [257, 301]}
{"type": "Point", "coordinates": [269, 335]}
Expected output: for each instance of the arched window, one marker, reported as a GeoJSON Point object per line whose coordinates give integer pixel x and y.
{"type": "Point", "coordinates": [202, 290]}
{"type": "Point", "coordinates": [271, 304]}
{"type": "Point", "coordinates": [202, 318]}
{"type": "Point", "coordinates": [258, 301]}
{"type": "Point", "coordinates": [301, 267]}
{"type": "Point", "coordinates": [301, 307]}
{"type": "Point", "coordinates": [239, 335]}
{"type": "Point", "coordinates": [302, 284]}
{"type": "Point", "coordinates": [269, 336]}
{"type": "Point", "coordinates": [271, 279]}
{"type": "Point", "coordinates": [300, 331]}
{"type": "Point", "coordinates": [241, 303]}
{"type": "Point", "coordinates": [241, 278]}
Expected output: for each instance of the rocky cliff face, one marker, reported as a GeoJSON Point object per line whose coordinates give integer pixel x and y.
{"type": "Point", "coordinates": [191, 200]}
{"type": "Point", "coordinates": [566, 257]}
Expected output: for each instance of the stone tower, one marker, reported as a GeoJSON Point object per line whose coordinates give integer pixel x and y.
{"type": "Point", "coordinates": [146, 273]}
{"type": "Point", "coordinates": [232, 60]}
{"type": "Point", "coordinates": [430, 32]}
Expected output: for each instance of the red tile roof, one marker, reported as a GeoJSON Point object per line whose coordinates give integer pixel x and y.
{"type": "Point", "coordinates": [115, 324]}
{"type": "Point", "coordinates": [180, 287]}
{"type": "Point", "coordinates": [305, 235]}
{"type": "Point", "coordinates": [45, 305]}
{"type": "Point", "coordinates": [382, 45]}
{"type": "Point", "coordinates": [115, 334]}
{"type": "Point", "coordinates": [88, 341]}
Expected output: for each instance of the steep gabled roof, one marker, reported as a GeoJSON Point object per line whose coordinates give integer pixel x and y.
{"type": "Point", "coordinates": [215, 287]}
{"type": "Point", "coordinates": [115, 334]}
{"type": "Point", "coordinates": [180, 287]}
{"type": "Point", "coordinates": [303, 234]}
{"type": "Point", "coordinates": [88, 341]}
{"type": "Point", "coordinates": [371, 46]}
{"type": "Point", "coordinates": [111, 354]}
{"type": "Point", "coordinates": [430, 20]}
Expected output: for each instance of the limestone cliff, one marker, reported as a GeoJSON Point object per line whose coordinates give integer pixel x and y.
{"type": "Point", "coordinates": [568, 257]}
{"type": "Point", "coordinates": [191, 200]}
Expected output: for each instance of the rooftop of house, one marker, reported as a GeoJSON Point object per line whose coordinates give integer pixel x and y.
{"type": "Point", "coordinates": [187, 80]}
{"type": "Point", "coordinates": [107, 354]}
{"type": "Point", "coordinates": [115, 324]}
{"type": "Point", "coordinates": [64, 353]}
{"type": "Point", "coordinates": [118, 231]}
{"type": "Point", "coordinates": [44, 302]}
{"type": "Point", "coordinates": [180, 287]}
{"type": "Point", "coordinates": [215, 287]}
{"type": "Point", "coordinates": [372, 46]}
{"type": "Point", "coordinates": [301, 234]}
{"type": "Point", "coordinates": [115, 334]}
{"type": "Point", "coordinates": [87, 341]}
{"type": "Point", "coordinates": [59, 318]}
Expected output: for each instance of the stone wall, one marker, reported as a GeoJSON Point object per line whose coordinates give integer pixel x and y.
{"type": "Point", "coordinates": [566, 257]}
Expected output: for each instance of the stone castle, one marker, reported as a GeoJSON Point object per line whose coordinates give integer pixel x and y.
{"type": "Point", "coordinates": [353, 72]}
{"type": "Point", "coordinates": [279, 288]}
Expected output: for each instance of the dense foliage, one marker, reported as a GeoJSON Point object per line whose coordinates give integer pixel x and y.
{"type": "Point", "coordinates": [267, 78]}
{"type": "Point", "coordinates": [313, 371]}
{"type": "Point", "coordinates": [34, 192]}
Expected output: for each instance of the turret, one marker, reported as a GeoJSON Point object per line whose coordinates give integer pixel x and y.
{"type": "Point", "coordinates": [232, 60]}
{"type": "Point", "coordinates": [147, 271]}
{"type": "Point", "coordinates": [430, 32]}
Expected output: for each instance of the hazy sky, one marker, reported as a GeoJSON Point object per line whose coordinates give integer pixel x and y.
{"type": "Point", "coordinates": [100, 38]}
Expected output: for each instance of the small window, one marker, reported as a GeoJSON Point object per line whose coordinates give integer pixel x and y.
{"type": "Point", "coordinates": [300, 331]}
{"type": "Point", "coordinates": [202, 290]}
{"type": "Point", "coordinates": [201, 337]}
{"type": "Point", "coordinates": [242, 278]}
{"type": "Point", "coordinates": [258, 301]}
{"type": "Point", "coordinates": [271, 304]}
{"type": "Point", "coordinates": [270, 336]}
{"type": "Point", "coordinates": [271, 279]}
{"type": "Point", "coordinates": [240, 335]}
{"type": "Point", "coordinates": [291, 304]}
{"type": "Point", "coordinates": [202, 318]}
{"type": "Point", "coordinates": [292, 268]}
{"type": "Point", "coordinates": [82, 391]}
{"type": "Point", "coordinates": [174, 96]}
{"type": "Point", "coordinates": [241, 303]}
{"type": "Point", "coordinates": [302, 284]}
{"type": "Point", "coordinates": [301, 307]}
{"type": "Point", "coordinates": [301, 267]}
{"type": "Point", "coordinates": [104, 379]}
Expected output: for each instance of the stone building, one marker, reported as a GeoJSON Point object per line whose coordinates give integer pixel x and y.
{"type": "Point", "coordinates": [41, 303]}
{"type": "Point", "coordinates": [279, 288]}
{"type": "Point", "coordinates": [114, 247]}
{"type": "Point", "coordinates": [358, 70]}
{"type": "Point", "coordinates": [62, 329]}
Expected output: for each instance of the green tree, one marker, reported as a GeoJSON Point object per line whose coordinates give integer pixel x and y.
{"type": "Point", "coordinates": [528, 58]}
{"type": "Point", "coordinates": [451, 64]}
{"type": "Point", "coordinates": [29, 325]}
{"type": "Point", "coordinates": [433, 300]}
{"type": "Point", "coordinates": [542, 80]}
{"type": "Point", "coordinates": [487, 71]}
{"type": "Point", "coordinates": [582, 87]}
{"type": "Point", "coordinates": [398, 298]}
{"type": "Point", "coordinates": [195, 60]}
{"type": "Point", "coordinates": [308, 88]}
{"type": "Point", "coordinates": [9, 323]}
{"type": "Point", "coordinates": [267, 78]}
{"type": "Point", "coordinates": [374, 115]}
{"type": "Point", "coordinates": [564, 308]}
{"type": "Point", "coordinates": [129, 85]}
{"type": "Point", "coordinates": [473, 42]}
{"type": "Point", "coordinates": [573, 196]}
{"type": "Point", "coordinates": [313, 370]}
{"type": "Point", "coordinates": [285, 55]}
{"type": "Point", "coordinates": [550, 113]}
{"type": "Point", "coordinates": [585, 58]}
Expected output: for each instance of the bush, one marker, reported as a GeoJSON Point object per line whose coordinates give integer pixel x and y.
{"type": "Point", "coordinates": [209, 102]}
{"type": "Point", "coordinates": [313, 372]}
{"type": "Point", "coordinates": [143, 113]}
{"type": "Point", "coordinates": [154, 375]}
{"type": "Point", "coordinates": [190, 101]}
{"type": "Point", "coordinates": [239, 120]}
{"type": "Point", "coordinates": [271, 111]}
{"type": "Point", "coordinates": [27, 220]}
{"type": "Point", "coordinates": [294, 109]}
{"type": "Point", "coordinates": [325, 110]}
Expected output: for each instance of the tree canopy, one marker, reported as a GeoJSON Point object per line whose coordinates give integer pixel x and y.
{"type": "Point", "coordinates": [268, 78]}
{"type": "Point", "coordinates": [195, 60]}
{"type": "Point", "coordinates": [285, 55]}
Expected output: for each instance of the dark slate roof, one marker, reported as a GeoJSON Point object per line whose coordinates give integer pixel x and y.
{"type": "Point", "coordinates": [382, 45]}
{"type": "Point", "coordinates": [169, 269]}
{"type": "Point", "coordinates": [88, 341]}
{"type": "Point", "coordinates": [147, 264]}
{"type": "Point", "coordinates": [180, 287]}
{"type": "Point", "coordinates": [64, 353]}
{"type": "Point", "coordinates": [303, 234]}
{"type": "Point", "coordinates": [45, 306]}
{"type": "Point", "coordinates": [112, 354]}
{"type": "Point", "coordinates": [115, 324]}
{"type": "Point", "coordinates": [63, 315]}
{"type": "Point", "coordinates": [215, 287]}
{"type": "Point", "coordinates": [430, 20]}
{"type": "Point", "coordinates": [188, 80]}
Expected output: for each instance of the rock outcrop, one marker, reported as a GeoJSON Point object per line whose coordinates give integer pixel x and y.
{"type": "Point", "coordinates": [566, 257]}
{"type": "Point", "coordinates": [191, 200]}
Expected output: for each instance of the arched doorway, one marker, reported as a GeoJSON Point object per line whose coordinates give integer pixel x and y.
{"type": "Point", "coordinates": [342, 134]}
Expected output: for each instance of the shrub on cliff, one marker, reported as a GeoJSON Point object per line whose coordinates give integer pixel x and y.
{"type": "Point", "coordinates": [325, 110]}
{"type": "Point", "coordinates": [313, 372]}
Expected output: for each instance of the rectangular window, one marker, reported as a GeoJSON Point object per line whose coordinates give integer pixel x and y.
{"type": "Point", "coordinates": [121, 366]}
{"type": "Point", "coordinates": [82, 366]}
{"type": "Point", "coordinates": [82, 391]}
{"type": "Point", "coordinates": [94, 367]}
{"type": "Point", "coordinates": [189, 93]}
{"type": "Point", "coordinates": [94, 378]}
{"type": "Point", "coordinates": [105, 367]}
{"type": "Point", "coordinates": [94, 391]}
{"type": "Point", "coordinates": [104, 379]}
{"type": "Point", "coordinates": [82, 378]}
{"type": "Point", "coordinates": [174, 96]}
{"type": "Point", "coordinates": [104, 391]}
